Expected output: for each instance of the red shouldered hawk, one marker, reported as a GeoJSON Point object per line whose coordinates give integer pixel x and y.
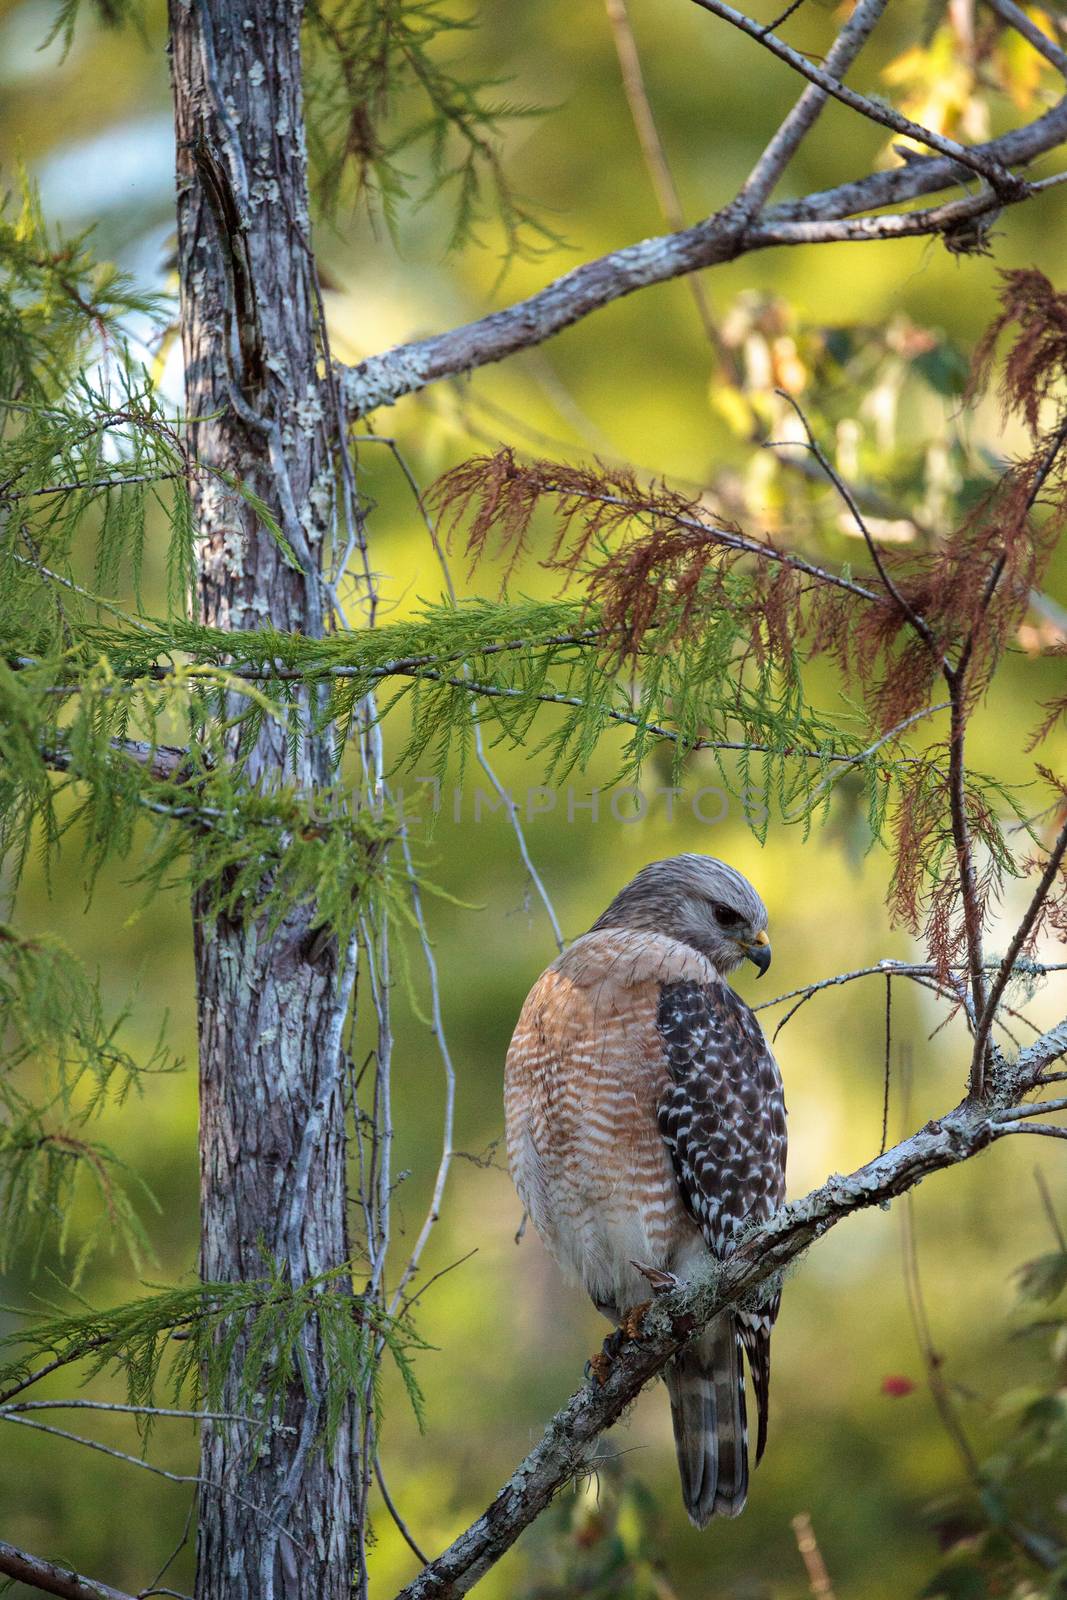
{"type": "Point", "coordinates": [646, 1127]}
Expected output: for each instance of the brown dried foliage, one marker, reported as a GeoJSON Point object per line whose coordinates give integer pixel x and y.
{"type": "Point", "coordinates": [665, 582]}
{"type": "Point", "coordinates": [683, 568]}
{"type": "Point", "coordinates": [925, 894]}
{"type": "Point", "coordinates": [1037, 360]}
{"type": "Point", "coordinates": [1054, 709]}
{"type": "Point", "coordinates": [1052, 917]}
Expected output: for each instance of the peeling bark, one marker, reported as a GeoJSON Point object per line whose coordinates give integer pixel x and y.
{"type": "Point", "coordinates": [271, 1005]}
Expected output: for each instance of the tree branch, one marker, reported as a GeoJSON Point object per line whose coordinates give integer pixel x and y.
{"type": "Point", "coordinates": [1022, 933]}
{"type": "Point", "coordinates": [977, 159]}
{"type": "Point", "coordinates": [563, 1450]}
{"type": "Point", "coordinates": [162, 761]}
{"type": "Point", "coordinates": [968, 881]}
{"type": "Point", "coordinates": [779, 152]}
{"type": "Point", "coordinates": [1016, 18]}
{"type": "Point", "coordinates": [53, 1578]}
{"type": "Point", "coordinates": [896, 969]}
{"type": "Point", "coordinates": [383, 379]}
{"type": "Point", "coordinates": [1033, 1127]}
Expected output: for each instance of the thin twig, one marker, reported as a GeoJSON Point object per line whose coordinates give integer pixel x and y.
{"type": "Point", "coordinates": [900, 969]}
{"type": "Point", "coordinates": [437, 1028]}
{"type": "Point", "coordinates": [76, 588]}
{"type": "Point", "coordinates": [933, 1362]}
{"type": "Point", "coordinates": [1017, 18]}
{"type": "Point", "coordinates": [968, 883]}
{"type": "Point", "coordinates": [888, 1050]}
{"type": "Point", "coordinates": [442, 1272]}
{"type": "Point", "coordinates": [1033, 1108]}
{"type": "Point", "coordinates": [149, 1466]}
{"type": "Point", "coordinates": [140, 1411]}
{"type": "Point", "coordinates": [655, 158]}
{"type": "Point", "coordinates": [395, 1514]}
{"type": "Point", "coordinates": [1050, 1209]}
{"type": "Point", "coordinates": [479, 743]}
{"type": "Point", "coordinates": [183, 1540]}
{"type": "Point", "coordinates": [876, 111]}
{"type": "Point", "coordinates": [783, 146]}
{"type": "Point", "coordinates": [1034, 1127]}
{"type": "Point", "coordinates": [918, 623]}
{"type": "Point", "coordinates": [783, 16]}
{"type": "Point", "coordinates": [83, 486]}
{"type": "Point", "coordinates": [1022, 934]}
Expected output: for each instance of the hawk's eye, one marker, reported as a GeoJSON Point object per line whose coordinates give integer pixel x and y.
{"type": "Point", "coordinates": [727, 918]}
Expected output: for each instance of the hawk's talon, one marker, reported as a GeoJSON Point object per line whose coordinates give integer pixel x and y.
{"type": "Point", "coordinates": [630, 1325]}
{"type": "Point", "coordinates": [598, 1367]}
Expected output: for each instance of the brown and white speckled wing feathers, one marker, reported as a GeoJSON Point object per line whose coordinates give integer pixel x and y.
{"type": "Point", "coordinates": [723, 1120]}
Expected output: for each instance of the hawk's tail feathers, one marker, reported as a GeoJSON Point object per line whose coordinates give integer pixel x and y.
{"type": "Point", "coordinates": [706, 1384]}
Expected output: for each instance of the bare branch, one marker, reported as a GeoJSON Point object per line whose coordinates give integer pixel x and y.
{"type": "Point", "coordinates": [968, 880]}
{"type": "Point", "coordinates": [88, 486]}
{"type": "Point", "coordinates": [978, 160]}
{"type": "Point", "coordinates": [163, 761]}
{"type": "Point", "coordinates": [1029, 1066]}
{"type": "Point", "coordinates": [897, 969]}
{"type": "Point", "coordinates": [1037, 1108]}
{"type": "Point", "coordinates": [1033, 1127]}
{"type": "Point", "coordinates": [139, 1411]}
{"type": "Point", "coordinates": [383, 379]}
{"type": "Point", "coordinates": [53, 1577]}
{"type": "Point", "coordinates": [1022, 933]}
{"type": "Point", "coordinates": [924, 174]}
{"type": "Point", "coordinates": [947, 220]}
{"type": "Point", "coordinates": [1017, 18]}
{"type": "Point", "coordinates": [11, 1415]}
{"type": "Point", "coordinates": [776, 157]}
{"type": "Point", "coordinates": [437, 1028]}
{"type": "Point", "coordinates": [402, 1527]}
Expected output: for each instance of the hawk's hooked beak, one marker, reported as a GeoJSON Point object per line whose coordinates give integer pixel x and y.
{"type": "Point", "coordinates": [759, 952]}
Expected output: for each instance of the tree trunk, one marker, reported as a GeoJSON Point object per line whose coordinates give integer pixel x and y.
{"type": "Point", "coordinates": [271, 1007]}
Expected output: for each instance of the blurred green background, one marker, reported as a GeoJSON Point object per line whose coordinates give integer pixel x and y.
{"type": "Point", "coordinates": [631, 383]}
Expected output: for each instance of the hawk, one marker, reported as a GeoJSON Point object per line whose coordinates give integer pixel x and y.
{"type": "Point", "coordinates": [646, 1129]}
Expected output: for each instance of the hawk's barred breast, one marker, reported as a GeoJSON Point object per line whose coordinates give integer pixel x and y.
{"type": "Point", "coordinates": [642, 1104]}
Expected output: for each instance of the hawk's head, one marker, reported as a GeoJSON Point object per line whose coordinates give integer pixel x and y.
{"type": "Point", "coordinates": [699, 901]}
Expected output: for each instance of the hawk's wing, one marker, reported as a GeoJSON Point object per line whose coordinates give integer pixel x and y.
{"type": "Point", "coordinates": [722, 1117]}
